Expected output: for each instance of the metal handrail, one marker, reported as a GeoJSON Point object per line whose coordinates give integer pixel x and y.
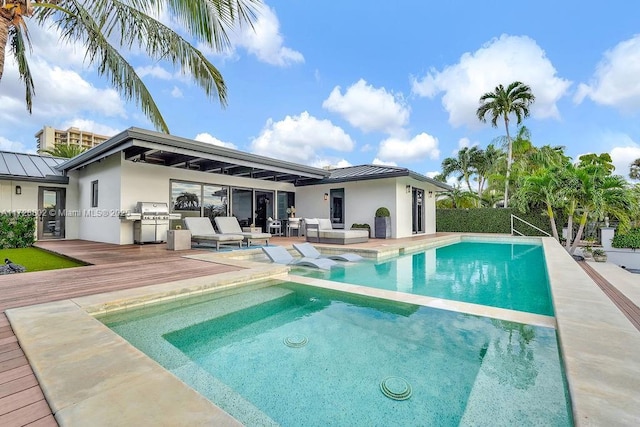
{"type": "Point", "coordinates": [514, 231]}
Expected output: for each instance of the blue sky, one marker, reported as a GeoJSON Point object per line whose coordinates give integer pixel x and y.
{"type": "Point", "coordinates": [354, 82]}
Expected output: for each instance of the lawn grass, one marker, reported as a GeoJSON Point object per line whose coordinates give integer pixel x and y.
{"type": "Point", "coordinates": [35, 259]}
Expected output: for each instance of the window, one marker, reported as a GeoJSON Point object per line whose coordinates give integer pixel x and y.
{"type": "Point", "coordinates": [94, 194]}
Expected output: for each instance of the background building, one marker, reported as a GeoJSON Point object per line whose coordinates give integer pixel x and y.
{"type": "Point", "coordinates": [48, 137]}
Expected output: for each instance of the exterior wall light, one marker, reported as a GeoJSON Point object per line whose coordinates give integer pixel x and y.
{"type": "Point", "coordinates": [408, 189]}
{"type": "Point", "coordinates": [430, 194]}
{"type": "Point", "coordinates": [326, 196]}
{"type": "Point", "coordinates": [18, 190]}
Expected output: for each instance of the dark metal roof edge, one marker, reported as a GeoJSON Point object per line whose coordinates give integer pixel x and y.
{"type": "Point", "coordinates": [51, 179]}
{"type": "Point", "coordinates": [185, 143]}
{"type": "Point", "coordinates": [400, 172]}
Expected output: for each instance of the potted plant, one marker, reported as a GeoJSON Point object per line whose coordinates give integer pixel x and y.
{"type": "Point", "coordinates": [383, 223]}
{"type": "Point", "coordinates": [599, 255]}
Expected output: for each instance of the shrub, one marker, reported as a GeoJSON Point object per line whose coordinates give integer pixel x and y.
{"type": "Point", "coordinates": [599, 252]}
{"type": "Point", "coordinates": [490, 220]}
{"type": "Point", "coordinates": [17, 230]}
{"type": "Point", "coordinates": [627, 240]}
{"type": "Point", "coordinates": [359, 226]}
{"type": "Point", "coordinates": [382, 212]}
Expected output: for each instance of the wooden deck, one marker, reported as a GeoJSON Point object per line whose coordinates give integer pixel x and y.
{"type": "Point", "coordinates": [114, 267]}
{"type": "Point", "coordinates": [624, 304]}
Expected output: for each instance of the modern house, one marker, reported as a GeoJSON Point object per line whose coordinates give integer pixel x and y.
{"type": "Point", "coordinates": [88, 196]}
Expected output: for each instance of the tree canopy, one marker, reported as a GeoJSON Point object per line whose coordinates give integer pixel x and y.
{"type": "Point", "coordinates": [109, 28]}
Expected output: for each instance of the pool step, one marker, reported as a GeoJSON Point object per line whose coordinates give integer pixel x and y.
{"type": "Point", "coordinates": [516, 386]}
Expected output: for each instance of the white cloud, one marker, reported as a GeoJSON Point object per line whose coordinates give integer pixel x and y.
{"type": "Point", "coordinates": [418, 148]}
{"type": "Point", "coordinates": [90, 126]}
{"type": "Point", "coordinates": [300, 139]}
{"type": "Point", "coordinates": [210, 139]}
{"type": "Point", "coordinates": [176, 92]}
{"type": "Point", "coordinates": [500, 61]}
{"type": "Point", "coordinates": [154, 71]}
{"type": "Point", "coordinates": [615, 82]}
{"type": "Point", "coordinates": [368, 108]}
{"type": "Point", "coordinates": [377, 161]}
{"type": "Point", "coordinates": [623, 157]}
{"type": "Point", "coordinates": [263, 40]}
{"type": "Point", "coordinates": [60, 93]}
{"type": "Point", "coordinates": [18, 147]}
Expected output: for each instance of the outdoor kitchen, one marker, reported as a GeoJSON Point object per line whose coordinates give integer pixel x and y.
{"type": "Point", "coordinates": [151, 222]}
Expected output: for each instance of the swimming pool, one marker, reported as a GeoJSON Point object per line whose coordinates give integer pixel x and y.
{"type": "Point", "coordinates": [291, 354]}
{"type": "Point", "coordinates": [508, 275]}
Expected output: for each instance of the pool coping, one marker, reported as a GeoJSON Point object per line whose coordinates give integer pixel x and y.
{"type": "Point", "coordinates": [103, 373]}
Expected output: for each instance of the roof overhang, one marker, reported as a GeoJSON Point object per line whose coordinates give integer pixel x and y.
{"type": "Point", "coordinates": [48, 179]}
{"type": "Point", "coordinates": [143, 146]}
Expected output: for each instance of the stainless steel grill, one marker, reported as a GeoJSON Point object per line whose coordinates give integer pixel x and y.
{"type": "Point", "coordinates": [153, 224]}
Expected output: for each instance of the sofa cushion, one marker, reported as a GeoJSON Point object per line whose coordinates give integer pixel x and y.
{"type": "Point", "coordinates": [343, 234]}
{"type": "Point", "coordinates": [324, 224]}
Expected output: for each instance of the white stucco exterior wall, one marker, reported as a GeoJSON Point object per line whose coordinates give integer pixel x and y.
{"type": "Point", "coordinates": [28, 200]}
{"type": "Point", "coordinates": [143, 182]}
{"type": "Point", "coordinates": [363, 198]}
{"type": "Point", "coordinates": [100, 224]}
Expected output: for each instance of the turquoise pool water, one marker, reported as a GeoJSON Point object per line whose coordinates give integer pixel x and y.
{"type": "Point", "coordinates": [505, 275]}
{"type": "Point", "coordinates": [296, 355]}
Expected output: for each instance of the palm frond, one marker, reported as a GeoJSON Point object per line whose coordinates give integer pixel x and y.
{"type": "Point", "coordinates": [17, 46]}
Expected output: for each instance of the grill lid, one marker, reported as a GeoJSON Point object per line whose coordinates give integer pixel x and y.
{"type": "Point", "coordinates": [153, 208]}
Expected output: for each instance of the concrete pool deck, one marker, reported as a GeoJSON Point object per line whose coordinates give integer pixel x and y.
{"type": "Point", "coordinates": [91, 376]}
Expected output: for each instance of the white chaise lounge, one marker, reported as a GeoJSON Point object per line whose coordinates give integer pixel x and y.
{"type": "Point", "coordinates": [230, 225]}
{"type": "Point", "coordinates": [280, 255]}
{"type": "Point", "coordinates": [319, 230]}
{"type": "Point", "coordinates": [307, 250]}
{"type": "Point", "coordinates": [202, 231]}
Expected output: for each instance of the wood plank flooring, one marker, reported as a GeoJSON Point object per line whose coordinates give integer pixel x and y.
{"type": "Point", "coordinates": [114, 267]}
{"type": "Point", "coordinates": [624, 304]}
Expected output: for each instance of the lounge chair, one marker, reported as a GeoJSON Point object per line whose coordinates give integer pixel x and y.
{"type": "Point", "coordinates": [202, 231]}
{"type": "Point", "coordinates": [280, 255]}
{"type": "Point", "coordinates": [320, 230]}
{"type": "Point", "coordinates": [230, 225]}
{"type": "Point", "coordinates": [307, 250]}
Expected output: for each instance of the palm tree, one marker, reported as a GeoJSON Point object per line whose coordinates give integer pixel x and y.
{"type": "Point", "coordinates": [541, 187]}
{"type": "Point", "coordinates": [66, 151]}
{"type": "Point", "coordinates": [634, 169]}
{"type": "Point", "coordinates": [97, 23]}
{"type": "Point", "coordinates": [501, 103]}
{"type": "Point", "coordinates": [487, 163]}
{"type": "Point", "coordinates": [463, 165]}
{"type": "Point", "coordinates": [456, 199]}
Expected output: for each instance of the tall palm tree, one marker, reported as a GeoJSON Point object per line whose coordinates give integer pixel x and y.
{"type": "Point", "coordinates": [104, 26]}
{"type": "Point", "coordinates": [501, 103]}
{"type": "Point", "coordinates": [66, 151]}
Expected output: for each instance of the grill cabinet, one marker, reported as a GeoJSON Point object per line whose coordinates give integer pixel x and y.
{"type": "Point", "coordinates": [153, 224]}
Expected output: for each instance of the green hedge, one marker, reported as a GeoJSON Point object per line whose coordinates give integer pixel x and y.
{"type": "Point", "coordinates": [489, 220]}
{"type": "Point", "coordinates": [629, 240]}
{"type": "Point", "coordinates": [17, 230]}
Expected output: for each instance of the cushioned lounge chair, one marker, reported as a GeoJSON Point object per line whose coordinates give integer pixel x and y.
{"type": "Point", "coordinates": [307, 250]}
{"type": "Point", "coordinates": [280, 255]}
{"type": "Point", "coordinates": [202, 231]}
{"type": "Point", "coordinates": [230, 225]}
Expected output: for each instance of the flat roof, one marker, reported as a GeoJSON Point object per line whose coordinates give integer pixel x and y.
{"type": "Point", "coordinates": [140, 145]}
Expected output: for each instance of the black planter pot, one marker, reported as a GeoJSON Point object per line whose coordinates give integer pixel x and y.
{"type": "Point", "coordinates": [383, 227]}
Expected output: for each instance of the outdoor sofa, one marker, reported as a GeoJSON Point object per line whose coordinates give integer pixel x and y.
{"type": "Point", "coordinates": [319, 230]}
{"type": "Point", "coordinates": [202, 231]}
